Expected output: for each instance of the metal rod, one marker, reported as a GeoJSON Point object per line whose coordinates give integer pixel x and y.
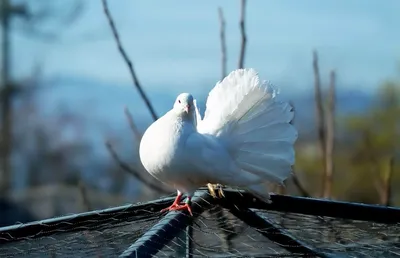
{"type": "Point", "coordinates": [168, 228]}
{"type": "Point", "coordinates": [289, 204]}
{"type": "Point", "coordinates": [186, 237]}
{"type": "Point", "coordinates": [189, 240]}
{"type": "Point", "coordinates": [273, 233]}
{"type": "Point", "coordinates": [315, 207]}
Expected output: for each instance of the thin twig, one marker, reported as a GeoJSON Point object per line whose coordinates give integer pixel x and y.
{"type": "Point", "coordinates": [137, 175]}
{"type": "Point", "coordinates": [127, 60]}
{"type": "Point", "coordinates": [330, 137]}
{"type": "Point", "coordinates": [386, 195]}
{"type": "Point", "coordinates": [281, 190]}
{"type": "Point", "coordinates": [132, 125]}
{"type": "Point", "coordinates": [87, 207]}
{"type": "Point", "coordinates": [223, 42]}
{"type": "Point", "coordinates": [319, 113]}
{"type": "Point", "coordinates": [295, 179]}
{"type": "Point", "coordinates": [243, 33]}
{"type": "Point", "coordinates": [83, 192]}
{"type": "Point", "coordinates": [302, 190]}
{"type": "Point", "coordinates": [6, 105]}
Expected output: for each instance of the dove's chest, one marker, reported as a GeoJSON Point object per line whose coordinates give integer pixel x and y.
{"type": "Point", "coordinates": [162, 151]}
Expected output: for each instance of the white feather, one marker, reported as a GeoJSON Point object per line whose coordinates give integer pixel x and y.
{"type": "Point", "coordinates": [245, 116]}
{"type": "Point", "coordinates": [197, 113]}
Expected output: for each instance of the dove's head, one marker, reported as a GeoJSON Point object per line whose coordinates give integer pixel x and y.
{"type": "Point", "coordinates": [184, 105]}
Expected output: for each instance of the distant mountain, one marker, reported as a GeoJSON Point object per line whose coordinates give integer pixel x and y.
{"type": "Point", "coordinates": [347, 102]}
{"type": "Point", "coordinates": [101, 104]}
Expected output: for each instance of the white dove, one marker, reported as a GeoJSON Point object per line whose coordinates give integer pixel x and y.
{"type": "Point", "coordinates": [244, 140]}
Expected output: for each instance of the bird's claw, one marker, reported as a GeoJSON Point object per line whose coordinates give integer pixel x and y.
{"type": "Point", "coordinates": [211, 189]}
{"type": "Point", "coordinates": [220, 191]}
{"type": "Point", "coordinates": [179, 207]}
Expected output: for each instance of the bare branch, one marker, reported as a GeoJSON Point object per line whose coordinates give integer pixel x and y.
{"type": "Point", "coordinates": [156, 187]}
{"type": "Point", "coordinates": [295, 179]}
{"type": "Point", "coordinates": [127, 60]}
{"type": "Point", "coordinates": [386, 193]}
{"type": "Point", "coordinates": [319, 111]}
{"type": "Point", "coordinates": [378, 184]}
{"type": "Point", "coordinates": [223, 42]}
{"type": "Point", "coordinates": [6, 141]}
{"type": "Point", "coordinates": [297, 183]}
{"type": "Point", "coordinates": [243, 33]}
{"type": "Point", "coordinates": [281, 190]}
{"type": "Point", "coordinates": [330, 137]}
{"type": "Point", "coordinates": [132, 125]}
{"type": "Point", "coordinates": [85, 199]}
{"type": "Point", "coordinates": [48, 12]}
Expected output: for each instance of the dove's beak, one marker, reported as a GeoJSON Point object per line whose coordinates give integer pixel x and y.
{"type": "Point", "coordinates": [187, 108]}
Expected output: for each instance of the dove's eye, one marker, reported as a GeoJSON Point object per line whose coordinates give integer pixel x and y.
{"type": "Point", "coordinates": [179, 101]}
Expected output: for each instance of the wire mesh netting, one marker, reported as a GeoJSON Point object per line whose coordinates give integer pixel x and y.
{"type": "Point", "coordinates": [351, 237]}
{"type": "Point", "coordinates": [97, 238]}
{"type": "Point", "coordinates": [328, 236]}
{"type": "Point", "coordinates": [217, 232]}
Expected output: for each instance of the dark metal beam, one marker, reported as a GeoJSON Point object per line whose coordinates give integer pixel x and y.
{"type": "Point", "coordinates": [273, 233]}
{"type": "Point", "coordinates": [186, 237]}
{"type": "Point", "coordinates": [168, 228]}
{"type": "Point", "coordinates": [289, 204]}
{"type": "Point", "coordinates": [70, 222]}
{"type": "Point", "coordinates": [315, 207]}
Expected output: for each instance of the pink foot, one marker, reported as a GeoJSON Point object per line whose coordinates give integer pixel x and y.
{"type": "Point", "coordinates": [177, 206]}
{"type": "Point", "coordinates": [182, 207]}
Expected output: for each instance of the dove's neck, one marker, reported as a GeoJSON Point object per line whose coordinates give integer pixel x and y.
{"type": "Point", "coordinates": [187, 119]}
{"type": "Point", "coordinates": [161, 144]}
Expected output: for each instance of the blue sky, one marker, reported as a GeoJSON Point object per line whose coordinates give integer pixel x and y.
{"type": "Point", "coordinates": [175, 48]}
{"type": "Point", "coordinates": [175, 44]}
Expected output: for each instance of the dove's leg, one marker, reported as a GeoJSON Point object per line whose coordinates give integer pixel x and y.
{"type": "Point", "coordinates": [185, 206]}
{"type": "Point", "coordinates": [178, 206]}
{"type": "Point", "coordinates": [175, 203]}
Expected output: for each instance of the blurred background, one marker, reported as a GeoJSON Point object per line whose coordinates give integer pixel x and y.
{"type": "Point", "coordinates": [72, 113]}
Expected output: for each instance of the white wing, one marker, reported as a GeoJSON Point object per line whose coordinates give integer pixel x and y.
{"type": "Point", "coordinates": [212, 163]}
{"type": "Point", "coordinates": [232, 96]}
{"type": "Point", "coordinates": [245, 121]}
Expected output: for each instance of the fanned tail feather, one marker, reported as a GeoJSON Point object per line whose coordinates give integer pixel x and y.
{"type": "Point", "coordinates": [197, 113]}
{"type": "Point", "coordinates": [254, 127]}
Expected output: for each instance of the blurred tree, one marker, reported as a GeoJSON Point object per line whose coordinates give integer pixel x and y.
{"type": "Point", "coordinates": [376, 137]}
{"type": "Point", "coordinates": [49, 152]}
{"type": "Point", "coordinates": [11, 212]}
{"type": "Point", "coordinates": [34, 18]}
{"type": "Point", "coordinates": [367, 152]}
